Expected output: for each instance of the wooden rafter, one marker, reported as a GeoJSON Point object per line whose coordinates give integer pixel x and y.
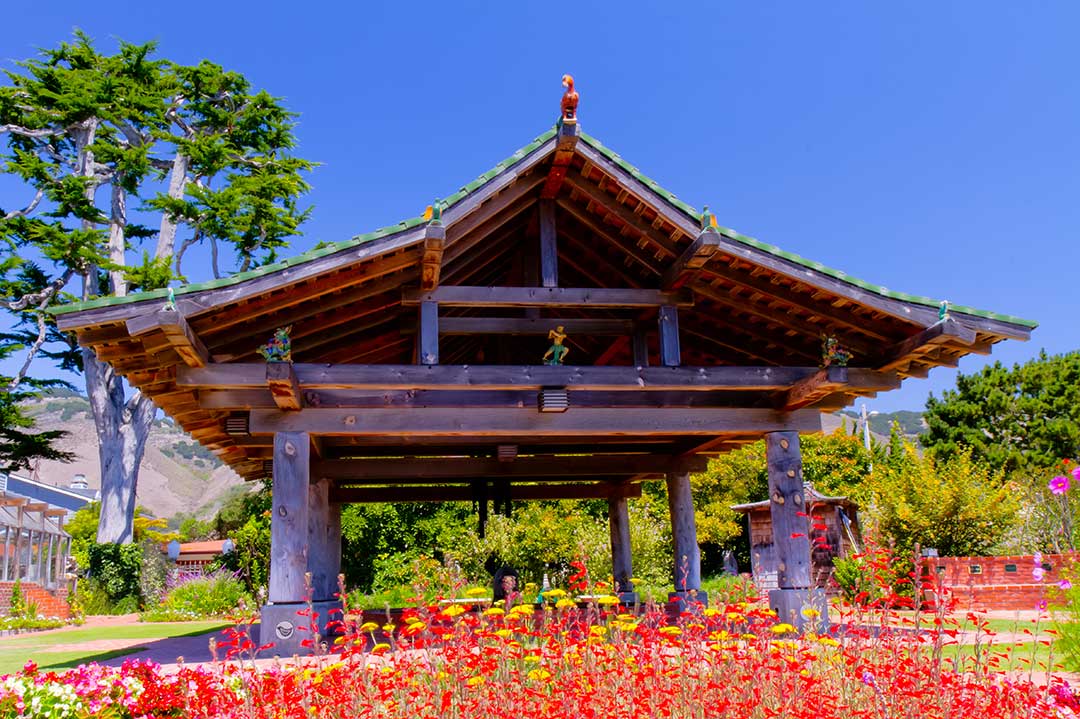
{"type": "Point", "coordinates": [565, 141]}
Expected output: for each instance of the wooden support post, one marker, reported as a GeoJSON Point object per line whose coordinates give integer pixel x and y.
{"type": "Point", "coordinates": [549, 247]}
{"type": "Point", "coordinates": [289, 521]}
{"type": "Point", "coordinates": [427, 338]}
{"type": "Point", "coordinates": [7, 552]}
{"type": "Point", "coordinates": [641, 348]}
{"type": "Point", "coordinates": [684, 534]}
{"type": "Point", "coordinates": [333, 550]}
{"type": "Point", "coordinates": [622, 568]}
{"type": "Point", "coordinates": [791, 532]}
{"type": "Point", "coordinates": [669, 336]}
{"type": "Point", "coordinates": [318, 564]}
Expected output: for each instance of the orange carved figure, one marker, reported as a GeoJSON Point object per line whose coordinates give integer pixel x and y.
{"type": "Point", "coordinates": [569, 98]}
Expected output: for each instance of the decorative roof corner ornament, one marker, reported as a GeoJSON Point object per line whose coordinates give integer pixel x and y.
{"type": "Point", "coordinates": [569, 101]}
{"type": "Point", "coordinates": [708, 220]}
{"type": "Point", "coordinates": [170, 303]}
{"type": "Point", "coordinates": [557, 351]}
{"type": "Point", "coordinates": [832, 353]}
{"type": "Point", "coordinates": [433, 212]}
{"type": "Point", "coordinates": [943, 311]}
{"type": "Point", "coordinates": [279, 348]}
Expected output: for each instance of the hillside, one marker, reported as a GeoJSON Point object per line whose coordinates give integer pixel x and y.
{"type": "Point", "coordinates": [911, 422]}
{"type": "Point", "coordinates": [177, 473]}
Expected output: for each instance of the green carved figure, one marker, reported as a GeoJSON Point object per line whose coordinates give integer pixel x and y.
{"type": "Point", "coordinates": [833, 354]}
{"type": "Point", "coordinates": [279, 348]}
{"type": "Point", "coordinates": [557, 351]}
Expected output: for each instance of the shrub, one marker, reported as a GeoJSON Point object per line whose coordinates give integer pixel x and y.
{"type": "Point", "coordinates": [116, 569]}
{"type": "Point", "coordinates": [215, 595]}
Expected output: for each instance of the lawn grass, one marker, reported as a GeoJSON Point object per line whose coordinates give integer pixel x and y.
{"type": "Point", "coordinates": [15, 651]}
{"type": "Point", "coordinates": [1024, 656]}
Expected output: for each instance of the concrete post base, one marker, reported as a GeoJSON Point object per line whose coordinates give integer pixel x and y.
{"type": "Point", "coordinates": [792, 605]}
{"type": "Point", "coordinates": [286, 630]}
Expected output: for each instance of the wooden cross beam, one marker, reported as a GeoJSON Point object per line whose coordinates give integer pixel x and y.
{"type": "Point", "coordinates": [826, 382]}
{"type": "Point", "coordinates": [176, 330]}
{"type": "Point", "coordinates": [284, 385]}
{"type": "Point", "coordinates": [527, 421]}
{"type": "Point", "coordinates": [524, 492]}
{"type": "Point", "coordinates": [469, 467]}
{"type": "Point", "coordinates": [603, 298]}
{"type": "Point", "coordinates": [532, 326]}
{"type": "Point", "coordinates": [694, 258]}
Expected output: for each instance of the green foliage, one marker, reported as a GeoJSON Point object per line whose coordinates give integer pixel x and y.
{"type": "Point", "coordinates": [17, 607]}
{"type": "Point", "coordinates": [217, 595]}
{"type": "Point", "coordinates": [115, 568]}
{"type": "Point", "coordinates": [855, 580]}
{"type": "Point", "coordinates": [1023, 418]}
{"type": "Point", "coordinates": [1067, 621]}
{"type": "Point", "coordinates": [94, 599]}
{"type": "Point", "coordinates": [952, 503]}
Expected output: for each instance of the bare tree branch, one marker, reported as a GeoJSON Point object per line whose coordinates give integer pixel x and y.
{"type": "Point", "coordinates": [32, 352]}
{"type": "Point", "coordinates": [28, 209]}
{"type": "Point", "coordinates": [27, 132]}
{"type": "Point", "coordinates": [39, 298]}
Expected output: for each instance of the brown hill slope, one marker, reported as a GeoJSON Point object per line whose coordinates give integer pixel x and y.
{"type": "Point", "coordinates": [177, 474]}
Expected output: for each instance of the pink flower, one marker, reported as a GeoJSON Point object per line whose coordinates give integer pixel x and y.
{"type": "Point", "coordinates": [1064, 584]}
{"type": "Point", "coordinates": [1060, 484]}
{"type": "Point", "coordinates": [1076, 473]}
{"type": "Point", "coordinates": [1037, 572]}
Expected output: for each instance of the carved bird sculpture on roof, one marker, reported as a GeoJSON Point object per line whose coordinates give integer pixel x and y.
{"type": "Point", "coordinates": [569, 98]}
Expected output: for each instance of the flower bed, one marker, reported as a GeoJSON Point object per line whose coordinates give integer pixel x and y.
{"type": "Point", "coordinates": [735, 661]}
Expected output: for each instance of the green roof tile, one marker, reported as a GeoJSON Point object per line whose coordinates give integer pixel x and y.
{"type": "Point", "coordinates": [482, 180]}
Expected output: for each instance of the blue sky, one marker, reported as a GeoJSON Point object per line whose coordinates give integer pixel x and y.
{"type": "Point", "coordinates": [929, 147]}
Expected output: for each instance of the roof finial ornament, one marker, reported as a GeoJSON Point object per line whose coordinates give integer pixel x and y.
{"type": "Point", "coordinates": [569, 99]}
{"type": "Point", "coordinates": [170, 303]}
{"type": "Point", "coordinates": [943, 311]}
{"type": "Point", "coordinates": [708, 220]}
{"type": "Point", "coordinates": [433, 212]}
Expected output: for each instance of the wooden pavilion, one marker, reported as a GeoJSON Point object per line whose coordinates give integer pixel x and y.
{"type": "Point", "coordinates": [416, 370]}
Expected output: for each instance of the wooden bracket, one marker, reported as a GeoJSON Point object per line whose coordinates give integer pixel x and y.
{"type": "Point", "coordinates": [565, 142]}
{"type": "Point", "coordinates": [431, 260]}
{"type": "Point", "coordinates": [830, 380]}
{"type": "Point", "coordinates": [176, 330]}
{"type": "Point", "coordinates": [694, 258]}
{"type": "Point", "coordinates": [284, 385]}
{"type": "Point", "coordinates": [947, 331]}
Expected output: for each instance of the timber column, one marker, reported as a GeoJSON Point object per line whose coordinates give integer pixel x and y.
{"type": "Point", "coordinates": [795, 598]}
{"type": "Point", "coordinates": [684, 534]}
{"type": "Point", "coordinates": [280, 624]}
{"type": "Point", "coordinates": [622, 569]}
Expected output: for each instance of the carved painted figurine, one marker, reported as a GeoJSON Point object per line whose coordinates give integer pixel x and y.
{"type": "Point", "coordinates": [832, 354]}
{"type": "Point", "coordinates": [557, 351]}
{"type": "Point", "coordinates": [279, 348]}
{"type": "Point", "coordinates": [569, 99]}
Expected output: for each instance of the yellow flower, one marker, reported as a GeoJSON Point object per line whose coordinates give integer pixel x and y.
{"type": "Point", "coordinates": [454, 610]}
{"type": "Point", "coordinates": [494, 612]}
{"type": "Point", "coordinates": [635, 581]}
{"type": "Point", "coordinates": [625, 626]}
{"type": "Point", "coordinates": [539, 674]}
{"type": "Point", "coordinates": [368, 627]}
{"type": "Point", "coordinates": [380, 647]}
{"type": "Point", "coordinates": [475, 681]}
{"type": "Point", "coordinates": [503, 633]}
{"type": "Point", "coordinates": [711, 612]}
{"type": "Point", "coordinates": [670, 631]}
{"type": "Point", "coordinates": [810, 613]}
{"type": "Point", "coordinates": [532, 659]}
{"type": "Point", "coordinates": [555, 593]}
{"type": "Point", "coordinates": [598, 630]}
{"type": "Point", "coordinates": [388, 627]}
{"type": "Point", "coordinates": [829, 642]}
{"type": "Point", "coordinates": [748, 637]}
{"type": "Point", "coordinates": [735, 617]}
{"type": "Point", "coordinates": [626, 617]}
{"type": "Point", "coordinates": [522, 610]}
{"type": "Point", "coordinates": [530, 587]}
{"type": "Point", "coordinates": [608, 600]}
{"type": "Point", "coordinates": [782, 628]}
{"type": "Point", "coordinates": [565, 604]}
{"type": "Point", "coordinates": [475, 592]}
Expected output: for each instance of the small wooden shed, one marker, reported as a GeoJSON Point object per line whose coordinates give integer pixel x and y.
{"type": "Point", "coordinates": [840, 537]}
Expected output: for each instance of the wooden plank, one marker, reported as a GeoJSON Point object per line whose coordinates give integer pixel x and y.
{"type": "Point", "coordinates": [687, 564]}
{"type": "Point", "coordinates": [499, 377]}
{"type": "Point", "coordinates": [471, 467]}
{"type": "Point", "coordinates": [502, 422]}
{"type": "Point", "coordinates": [532, 326]}
{"type": "Point", "coordinates": [830, 380]}
{"type": "Point", "coordinates": [176, 330]}
{"type": "Point", "coordinates": [284, 386]}
{"type": "Point", "coordinates": [549, 246]}
{"type": "Point", "coordinates": [427, 337]}
{"type": "Point", "coordinates": [611, 235]}
{"type": "Point", "coordinates": [668, 322]}
{"type": "Point", "coordinates": [947, 331]}
{"type": "Point", "coordinates": [692, 259]}
{"type": "Point", "coordinates": [517, 492]}
{"type": "Point", "coordinates": [615, 298]}
{"type": "Point", "coordinates": [289, 517]}
{"type": "Point", "coordinates": [790, 528]}
{"type": "Point", "coordinates": [431, 260]}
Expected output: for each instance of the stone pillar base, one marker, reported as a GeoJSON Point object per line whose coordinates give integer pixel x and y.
{"type": "Point", "coordinates": [802, 608]}
{"type": "Point", "coordinates": [286, 630]}
{"type": "Point", "coordinates": [688, 599]}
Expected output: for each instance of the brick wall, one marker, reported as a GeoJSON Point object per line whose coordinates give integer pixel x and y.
{"type": "Point", "coordinates": [49, 604]}
{"type": "Point", "coordinates": [1002, 583]}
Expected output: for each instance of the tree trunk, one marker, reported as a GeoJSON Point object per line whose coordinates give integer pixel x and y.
{"type": "Point", "coordinates": [117, 224]}
{"type": "Point", "coordinates": [122, 429]}
{"type": "Point", "coordinates": [177, 183]}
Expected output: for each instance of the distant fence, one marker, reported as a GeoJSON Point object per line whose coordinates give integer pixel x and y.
{"type": "Point", "coordinates": [1014, 582]}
